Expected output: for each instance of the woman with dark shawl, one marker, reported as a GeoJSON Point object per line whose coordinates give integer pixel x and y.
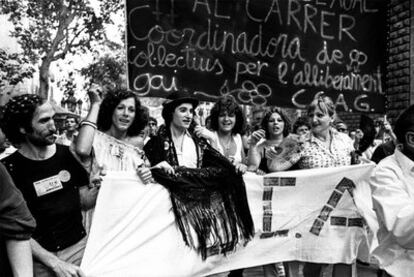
{"type": "Point", "coordinates": [207, 194]}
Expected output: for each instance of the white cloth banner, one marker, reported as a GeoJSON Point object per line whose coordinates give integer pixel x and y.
{"type": "Point", "coordinates": [305, 215]}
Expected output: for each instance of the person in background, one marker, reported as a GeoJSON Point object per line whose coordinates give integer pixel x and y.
{"type": "Point", "coordinates": [383, 150]}
{"type": "Point", "coordinates": [325, 147]}
{"type": "Point", "coordinates": [71, 130]}
{"type": "Point", "coordinates": [16, 228]}
{"type": "Point", "coordinates": [141, 139]}
{"type": "Point", "coordinates": [341, 126]}
{"type": "Point", "coordinates": [301, 127]}
{"type": "Point", "coordinates": [258, 112]}
{"type": "Point", "coordinates": [256, 118]}
{"type": "Point", "coordinates": [386, 139]}
{"type": "Point", "coordinates": [53, 183]}
{"type": "Point", "coordinates": [146, 134]}
{"type": "Point", "coordinates": [378, 123]}
{"type": "Point", "coordinates": [352, 135]}
{"type": "Point", "coordinates": [153, 127]}
{"type": "Point", "coordinates": [6, 148]}
{"type": "Point", "coordinates": [358, 134]}
{"type": "Point", "coordinates": [227, 124]}
{"type": "Point", "coordinates": [274, 128]}
{"type": "Point", "coordinates": [384, 132]}
{"type": "Point", "coordinates": [246, 137]}
{"type": "Point", "coordinates": [392, 185]}
{"type": "Point", "coordinates": [367, 153]}
{"type": "Point", "coordinates": [208, 123]}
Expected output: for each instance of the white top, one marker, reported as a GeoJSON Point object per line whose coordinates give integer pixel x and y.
{"type": "Point", "coordinates": [115, 154]}
{"type": "Point", "coordinates": [392, 185]}
{"type": "Point", "coordinates": [64, 140]}
{"type": "Point", "coordinates": [188, 157]}
{"type": "Point", "coordinates": [237, 158]}
{"type": "Point", "coordinates": [7, 152]}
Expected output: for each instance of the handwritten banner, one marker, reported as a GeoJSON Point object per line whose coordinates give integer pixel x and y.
{"type": "Point", "coordinates": [268, 52]}
{"type": "Point", "coordinates": [315, 218]}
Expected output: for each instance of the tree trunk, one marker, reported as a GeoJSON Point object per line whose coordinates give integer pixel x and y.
{"type": "Point", "coordinates": [44, 78]}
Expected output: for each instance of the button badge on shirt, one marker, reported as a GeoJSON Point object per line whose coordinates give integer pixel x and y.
{"type": "Point", "coordinates": [64, 175]}
{"type": "Point", "coordinates": [47, 185]}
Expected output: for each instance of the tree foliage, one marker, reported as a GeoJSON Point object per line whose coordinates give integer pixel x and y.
{"type": "Point", "coordinates": [68, 85]}
{"type": "Point", "coordinates": [13, 68]}
{"type": "Point", "coordinates": [48, 30]}
{"type": "Point", "coordinates": [107, 71]}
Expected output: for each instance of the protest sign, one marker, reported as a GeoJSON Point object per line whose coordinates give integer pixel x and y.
{"type": "Point", "coordinates": [270, 52]}
{"type": "Point", "coordinates": [306, 215]}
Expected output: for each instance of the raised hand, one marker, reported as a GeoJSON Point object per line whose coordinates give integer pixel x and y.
{"type": "Point", "coordinates": [94, 94]}
{"type": "Point", "coordinates": [257, 136]}
{"type": "Point", "coordinates": [203, 132]}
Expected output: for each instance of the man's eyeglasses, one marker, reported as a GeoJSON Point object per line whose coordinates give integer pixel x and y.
{"type": "Point", "coordinates": [342, 130]}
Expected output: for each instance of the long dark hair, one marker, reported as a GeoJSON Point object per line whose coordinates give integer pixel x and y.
{"type": "Point", "coordinates": [108, 106]}
{"type": "Point", "coordinates": [266, 118]}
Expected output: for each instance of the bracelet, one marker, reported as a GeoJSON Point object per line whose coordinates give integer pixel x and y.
{"type": "Point", "coordinates": [89, 123]}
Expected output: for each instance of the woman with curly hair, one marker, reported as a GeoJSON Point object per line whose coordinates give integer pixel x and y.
{"type": "Point", "coordinates": [108, 130]}
{"type": "Point", "coordinates": [107, 134]}
{"type": "Point", "coordinates": [227, 125]}
{"type": "Point", "coordinates": [275, 127]}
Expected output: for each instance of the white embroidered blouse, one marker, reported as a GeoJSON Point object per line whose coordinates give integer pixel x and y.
{"type": "Point", "coordinates": [117, 155]}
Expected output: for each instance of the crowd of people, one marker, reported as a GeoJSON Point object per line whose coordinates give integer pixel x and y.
{"type": "Point", "coordinates": [50, 182]}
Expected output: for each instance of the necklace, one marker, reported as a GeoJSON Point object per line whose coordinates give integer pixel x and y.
{"type": "Point", "coordinates": [177, 136]}
{"type": "Point", "coordinates": [226, 146]}
{"type": "Point", "coordinates": [179, 142]}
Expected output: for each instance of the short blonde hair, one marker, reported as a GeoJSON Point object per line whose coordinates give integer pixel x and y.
{"type": "Point", "coordinates": [324, 103]}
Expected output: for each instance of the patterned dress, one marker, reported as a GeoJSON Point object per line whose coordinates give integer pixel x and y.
{"type": "Point", "coordinates": [114, 155]}
{"type": "Point", "coordinates": [316, 155]}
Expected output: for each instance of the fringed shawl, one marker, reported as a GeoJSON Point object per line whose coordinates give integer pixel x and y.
{"type": "Point", "coordinates": [209, 201]}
